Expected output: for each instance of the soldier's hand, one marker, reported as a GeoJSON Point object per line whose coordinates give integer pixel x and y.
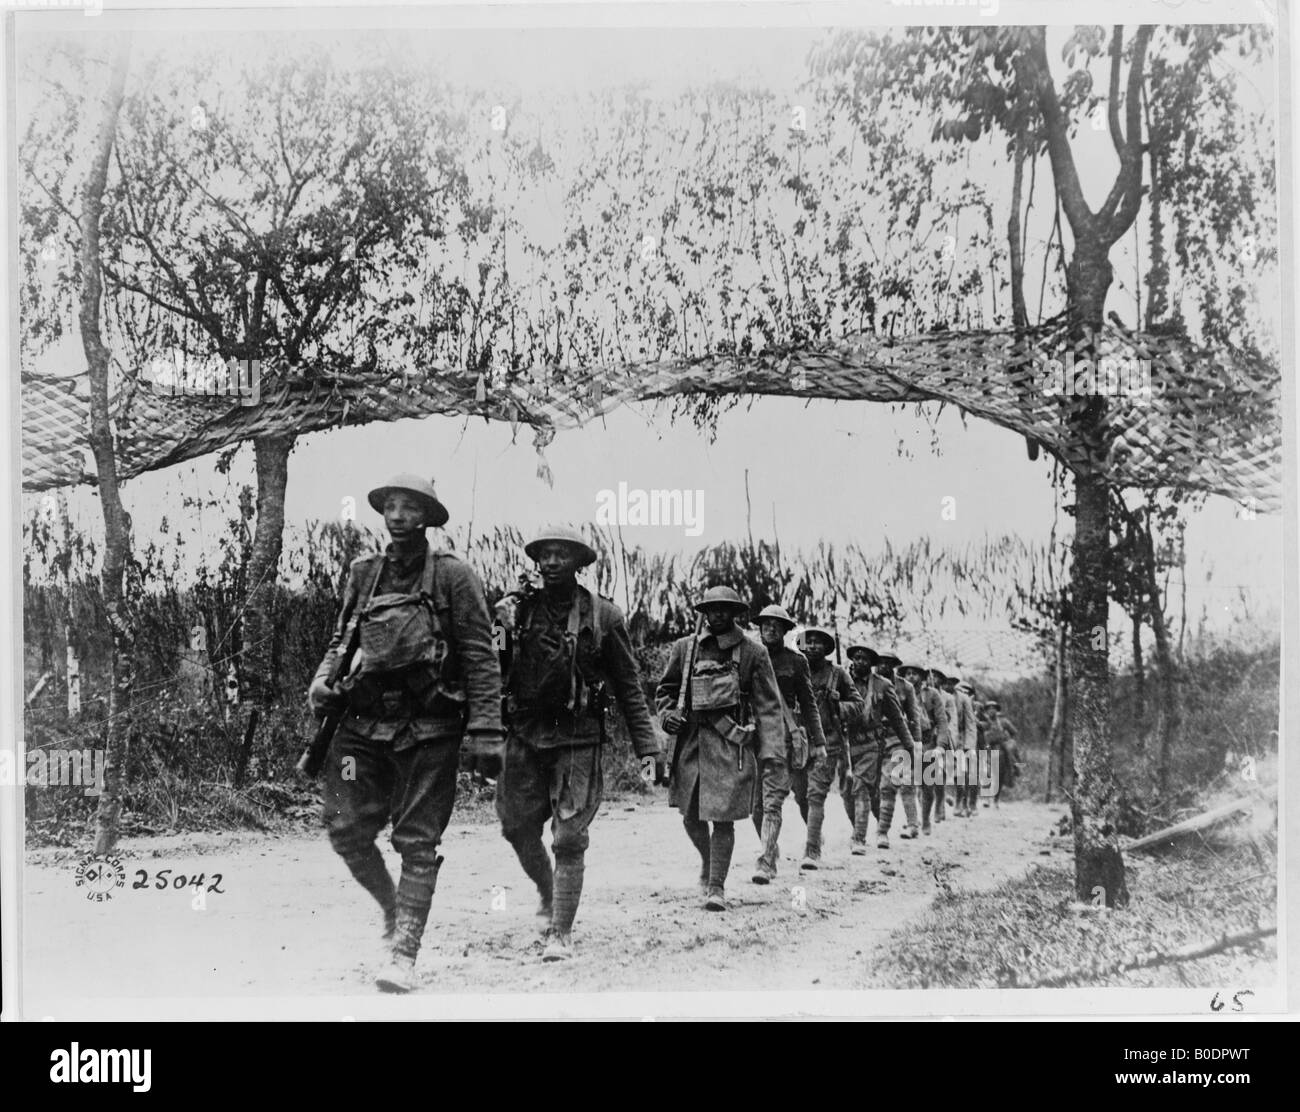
{"type": "Point", "coordinates": [487, 749]}
{"type": "Point", "coordinates": [321, 697]}
{"type": "Point", "coordinates": [833, 695]}
{"type": "Point", "coordinates": [817, 755]}
{"type": "Point", "coordinates": [673, 722]}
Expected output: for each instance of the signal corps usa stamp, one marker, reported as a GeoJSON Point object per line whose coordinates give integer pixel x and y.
{"type": "Point", "coordinates": [100, 874]}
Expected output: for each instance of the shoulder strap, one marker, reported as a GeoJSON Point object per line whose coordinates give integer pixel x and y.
{"type": "Point", "coordinates": [430, 573]}
{"type": "Point", "coordinates": [367, 592]}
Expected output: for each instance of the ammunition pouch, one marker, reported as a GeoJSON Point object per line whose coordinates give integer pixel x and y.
{"type": "Point", "coordinates": [743, 736]}
{"type": "Point", "coordinates": [797, 749]}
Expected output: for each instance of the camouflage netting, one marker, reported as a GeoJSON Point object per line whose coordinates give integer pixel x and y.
{"type": "Point", "coordinates": [1210, 423]}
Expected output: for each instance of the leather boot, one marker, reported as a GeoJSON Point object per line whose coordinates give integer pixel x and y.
{"type": "Point", "coordinates": [537, 864]}
{"type": "Point", "coordinates": [414, 897]}
{"type": "Point", "coordinates": [765, 870]}
{"type": "Point", "coordinates": [812, 853]}
{"type": "Point", "coordinates": [372, 874]}
{"type": "Point", "coordinates": [569, 870]}
{"type": "Point", "coordinates": [721, 846]}
{"type": "Point", "coordinates": [698, 832]}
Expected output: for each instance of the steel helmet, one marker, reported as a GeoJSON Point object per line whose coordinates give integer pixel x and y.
{"type": "Point", "coordinates": [721, 596]}
{"type": "Point", "coordinates": [779, 613]}
{"type": "Point", "coordinates": [421, 489]}
{"type": "Point", "coordinates": [563, 534]}
{"type": "Point", "coordinates": [819, 631]}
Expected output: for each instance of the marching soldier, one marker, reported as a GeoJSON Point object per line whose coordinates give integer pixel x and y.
{"type": "Point", "coordinates": [918, 721]}
{"type": "Point", "coordinates": [934, 740]}
{"type": "Point", "coordinates": [968, 729]}
{"type": "Point", "coordinates": [948, 693]}
{"type": "Point", "coordinates": [718, 697]}
{"type": "Point", "coordinates": [423, 675]}
{"type": "Point", "coordinates": [805, 745]}
{"type": "Point", "coordinates": [570, 652]}
{"type": "Point", "coordinates": [864, 742]}
{"type": "Point", "coordinates": [887, 725]}
{"type": "Point", "coordinates": [839, 703]}
{"type": "Point", "coordinates": [1010, 746]}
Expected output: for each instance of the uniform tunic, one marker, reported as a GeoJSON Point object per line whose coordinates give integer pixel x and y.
{"type": "Point", "coordinates": [794, 680]}
{"type": "Point", "coordinates": [552, 762]}
{"type": "Point", "coordinates": [724, 773]}
{"type": "Point", "coordinates": [401, 747]}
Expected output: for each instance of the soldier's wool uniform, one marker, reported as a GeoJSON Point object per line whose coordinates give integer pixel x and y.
{"type": "Point", "coordinates": [888, 732]}
{"type": "Point", "coordinates": [968, 730]}
{"type": "Point", "coordinates": [954, 736]}
{"type": "Point", "coordinates": [715, 769]}
{"type": "Point", "coordinates": [395, 754]}
{"type": "Point", "coordinates": [934, 741]}
{"type": "Point", "coordinates": [865, 751]}
{"type": "Point", "coordinates": [571, 650]}
{"type": "Point", "coordinates": [794, 680]}
{"type": "Point", "coordinates": [779, 778]}
{"type": "Point", "coordinates": [836, 718]}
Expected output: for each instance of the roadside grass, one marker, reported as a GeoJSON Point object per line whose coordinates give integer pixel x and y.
{"type": "Point", "coordinates": [1030, 928]}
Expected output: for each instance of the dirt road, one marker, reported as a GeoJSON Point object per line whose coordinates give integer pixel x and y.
{"type": "Point", "coordinates": [288, 921]}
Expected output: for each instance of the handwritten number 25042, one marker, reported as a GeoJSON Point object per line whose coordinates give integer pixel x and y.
{"type": "Point", "coordinates": [178, 882]}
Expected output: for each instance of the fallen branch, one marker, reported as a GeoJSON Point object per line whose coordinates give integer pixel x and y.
{"type": "Point", "coordinates": [1093, 971]}
{"type": "Point", "coordinates": [1202, 821]}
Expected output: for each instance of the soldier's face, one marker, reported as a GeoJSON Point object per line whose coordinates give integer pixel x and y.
{"type": "Point", "coordinates": [719, 619]}
{"type": "Point", "coordinates": [772, 630]}
{"type": "Point", "coordinates": [557, 563]}
{"type": "Point", "coordinates": [860, 666]}
{"type": "Point", "coordinates": [403, 515]}
{"type": "Point", "coordinates": [815, 649]}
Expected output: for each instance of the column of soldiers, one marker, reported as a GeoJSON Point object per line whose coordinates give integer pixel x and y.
{"type": "Point", "coordinates": [422, 681]}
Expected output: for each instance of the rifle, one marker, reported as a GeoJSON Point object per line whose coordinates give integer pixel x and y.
{"type": "Point", "coordinates": [681, 692]}
{"type": "Point", "coordinates": [313, 757]}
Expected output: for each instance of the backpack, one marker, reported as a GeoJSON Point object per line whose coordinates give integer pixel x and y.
{"type": "Point", "coordinates": [583, 637]}
{"type": "Point", "coordinates": [402, 645]}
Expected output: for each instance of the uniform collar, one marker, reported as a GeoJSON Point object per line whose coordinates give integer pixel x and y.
{"type": "Point", "coordinates": [406, 557]}
{"type": "Point", "coordinates": [728, 640]}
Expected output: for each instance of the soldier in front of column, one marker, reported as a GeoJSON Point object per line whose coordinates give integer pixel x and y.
{"type": "Point", "coordinates": [423, 675]}
{"type": "Point", "coordinates": [934, 743]}
{"type": "Point", "coordinates": [838, 704]}
{"type": "Point", "coordinates": [805, 745]}
{"type": "Point", "coordinates": [718, 698]}
{"type": "Point", "coordinates": [570, 651]}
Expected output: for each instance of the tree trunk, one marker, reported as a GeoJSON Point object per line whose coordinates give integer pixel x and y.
{"type": "Point", "coordinates": [258, 659]}
{"type": "Point", "coordinates": [1019, 313]}
{"type": "Point", "coordinates": [1056, 735]}
{"type": "Point", "coordinates": [1139, 670]}
{"type": "Point", "coordinates": [1097, 860]}
{"type": "Point", "coordinates": [1169, 710]}
{"type": "Point", "coordinates": [117, 523]}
